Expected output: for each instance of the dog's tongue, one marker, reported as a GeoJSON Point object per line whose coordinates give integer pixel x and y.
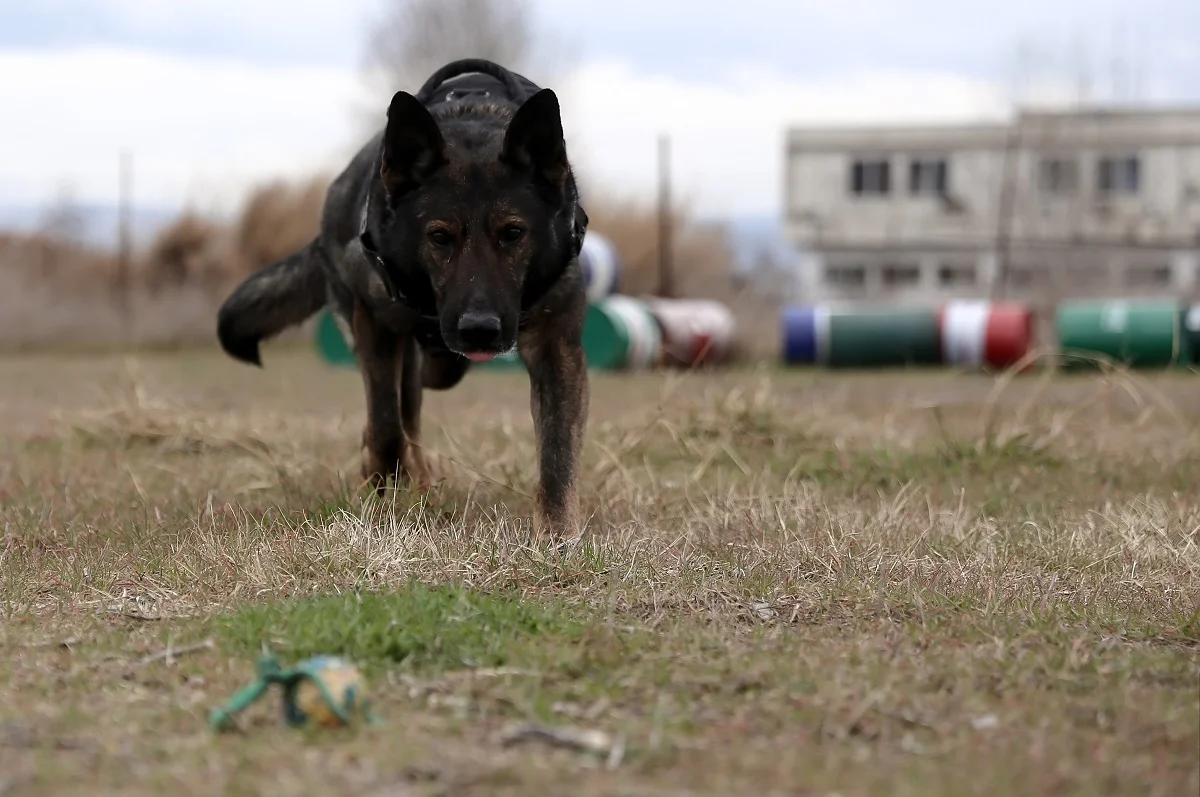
{"type": "Point", "coordinates": [480, 357]}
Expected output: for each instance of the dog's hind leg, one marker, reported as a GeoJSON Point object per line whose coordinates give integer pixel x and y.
{"type": "Point", "coordinates": [415, 466]}
{"type": "Point", "coordinates": [377, 350]}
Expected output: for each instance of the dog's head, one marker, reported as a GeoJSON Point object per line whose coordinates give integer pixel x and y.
{"type": "Point", "coordinates": [480, 208]}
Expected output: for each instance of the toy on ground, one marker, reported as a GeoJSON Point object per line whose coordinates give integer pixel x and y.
{"type": "Point", "coordinates": [324, 690]}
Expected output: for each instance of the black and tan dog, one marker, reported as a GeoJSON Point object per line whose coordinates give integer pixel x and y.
{"type": "Point", "coordinates": [453, 236]}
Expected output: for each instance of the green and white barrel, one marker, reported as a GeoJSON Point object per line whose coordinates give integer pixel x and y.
{"type": "Point", "coordinates": [1139, 334]}
{"type": "Point", "coordinates": [856, 337]}
{"type": "Point", "coordinates": [620, 333]}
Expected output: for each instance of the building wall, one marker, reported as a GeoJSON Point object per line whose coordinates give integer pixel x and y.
{"type": "Point", "coordinates": [902, 246]}
{"type": "Point", "coordinates": [823, 212]}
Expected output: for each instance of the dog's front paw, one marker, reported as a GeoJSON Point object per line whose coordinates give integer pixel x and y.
{"type": "Point", "coordinates": [376, 468]}
{"type": "Point", "coordinates": [556, 526]}
{"type": "Point", "coordinates": [373, 476]}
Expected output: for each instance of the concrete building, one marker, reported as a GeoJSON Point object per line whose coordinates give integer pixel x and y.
{"type": "Point", "coordinates": [1053, 205]}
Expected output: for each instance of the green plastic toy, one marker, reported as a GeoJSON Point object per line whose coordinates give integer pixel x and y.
{"type": "Point", "coordinates": [327, 690]}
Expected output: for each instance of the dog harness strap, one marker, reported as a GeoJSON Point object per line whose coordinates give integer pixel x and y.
{"type": "Point", "coordinates": [427, 330]}
{"type": "Point", "coordinates": [518, 87]}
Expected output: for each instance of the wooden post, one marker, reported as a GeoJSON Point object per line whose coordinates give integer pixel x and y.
{"type": "Point", "coordinates": [666, 279]}
{"type": "Point", "coordinates": [124, 240]}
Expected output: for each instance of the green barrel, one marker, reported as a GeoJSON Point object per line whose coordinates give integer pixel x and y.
{"type": "Point", "coordinates": [336, 350]}
{"type": "Point", "coordinates": [331, 344]}
{"type": "Point", "coordinates": [620, 333]}
{"type": "Point", "coordinates": [1139, 334]}
{"type": "Point", "coordinates": [873, 338]}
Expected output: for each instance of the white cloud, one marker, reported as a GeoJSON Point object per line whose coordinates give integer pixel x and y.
{"type": "Point", "coordinates": [727, 139]}
{"type": "Point", "coordinates": [205, 130]}
{"type": "Point", "coordinates": [318, 27]}
{"type": "Point", "coordinates": [199, 130]}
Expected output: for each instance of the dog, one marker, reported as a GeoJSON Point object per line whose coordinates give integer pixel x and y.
{"type": "Point", "coordinates": [451, 237]}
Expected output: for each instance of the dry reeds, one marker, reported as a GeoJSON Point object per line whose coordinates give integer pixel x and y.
{"type": "Point", "coordinates": [60, 293]}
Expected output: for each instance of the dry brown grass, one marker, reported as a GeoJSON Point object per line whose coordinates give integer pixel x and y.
{"type": "Point", "coordinates": [53, 293]}
{"type": "Point", "coordinates": [191, 250]}
{"type": "Point", "coordinates": [58, 294]}
{"type": "Point", "coordinates": [278, 219]}
{"type": "Point", "coordinates": [795, 583]}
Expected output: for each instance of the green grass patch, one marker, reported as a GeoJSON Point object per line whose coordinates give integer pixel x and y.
{"type": "Point", "coordinates": [420, 627]}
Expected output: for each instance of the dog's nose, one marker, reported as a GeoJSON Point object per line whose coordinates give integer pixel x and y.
{"type": "Point", "coordinates": [479, 330]}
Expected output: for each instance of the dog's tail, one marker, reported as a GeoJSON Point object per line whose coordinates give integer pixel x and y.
{"type": "Point", "coordinates": [278, 296]}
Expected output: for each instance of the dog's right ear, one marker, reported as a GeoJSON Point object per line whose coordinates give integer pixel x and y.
{"type": "Point", "coordinates": [413, 147]}
{"type": "Point", "coordinates": [534, 139]}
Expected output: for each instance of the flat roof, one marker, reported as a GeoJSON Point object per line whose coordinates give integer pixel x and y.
{"type": "Point", "coordinates": [1179, 123]}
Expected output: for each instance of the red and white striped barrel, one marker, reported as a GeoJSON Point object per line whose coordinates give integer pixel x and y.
{"type": "Point", "coordinates": [977, 333]}
{"type": "Point", "coordinates": [694, 331]}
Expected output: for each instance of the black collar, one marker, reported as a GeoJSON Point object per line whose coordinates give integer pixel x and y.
{"type": "Point", "coordinates": [428, 329]}
{"type": "Point", "coordinates": [387, 274]}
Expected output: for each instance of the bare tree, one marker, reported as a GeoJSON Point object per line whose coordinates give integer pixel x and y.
{"type": "Point", "coordinates": [414, 38]}
{"type": "Point", "coordinates": [1048, 154]}
{"type": "Point", "coordinates": [411, 39]}
{"type": "Point", "coordinates": [64, 220]}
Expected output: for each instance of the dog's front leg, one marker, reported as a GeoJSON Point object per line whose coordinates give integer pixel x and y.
{"type": "Point", "coordinates": [377, 351]}
{"type": "Point", "coordinates": [559, 405]}
{"type": "Point", "coordinates": [415, 468]}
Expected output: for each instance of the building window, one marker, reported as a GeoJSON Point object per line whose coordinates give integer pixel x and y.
{"type": "Point", "coordinates": [846, 277]}
{"type": "Point", "coordinates": [898, 275]}
{"type": "Point", "coordinates": [957, 275]}
{"type": "Point", "coordinates": [1148, 276]}
{"type": "Point", "coordinates": [871, 177]}
{"type": "Point", "coordinates": [927, 176]}
{"type": "Point", "coordinates": [1058, 175]}
{"type": "Point", "coordinates": [1084, 276]}
{"type": "Point", "coordinates": [1118, 175]}
{"type": "Point", "coordinates": [1025, 276]}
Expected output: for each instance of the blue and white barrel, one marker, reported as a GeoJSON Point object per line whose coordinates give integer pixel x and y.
{"type": "Point", "coordinates": [806, 335]}
{"type": "Point", "coordinates": [601, 265]}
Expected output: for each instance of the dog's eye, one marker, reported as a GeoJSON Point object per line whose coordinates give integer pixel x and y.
{"type": "Point", "coordinates": [441, 238]}
{"type": "Point", "coordinates": [511, 234]}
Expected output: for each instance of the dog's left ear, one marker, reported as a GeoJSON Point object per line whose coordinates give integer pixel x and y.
{"type": "Point", "coordinates": [534, 139]}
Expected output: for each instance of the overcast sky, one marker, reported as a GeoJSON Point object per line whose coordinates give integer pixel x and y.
{"type": "Point", "coordinates": [213, 96]}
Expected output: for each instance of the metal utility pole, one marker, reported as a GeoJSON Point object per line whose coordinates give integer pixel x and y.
{"type": "Point", "coordinates": [124, 238]}
{"type": "Point", "coordinates": [1008, 190]}
{"type": "Point", "coordinates": [666, 279]}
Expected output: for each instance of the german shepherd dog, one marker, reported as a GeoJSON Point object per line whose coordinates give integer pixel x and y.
{"type": "Point", "coordinates": [452, 236]}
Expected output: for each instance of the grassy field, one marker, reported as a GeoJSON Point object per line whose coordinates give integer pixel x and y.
{"type": "Point", "coordinates": [795, 583]}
